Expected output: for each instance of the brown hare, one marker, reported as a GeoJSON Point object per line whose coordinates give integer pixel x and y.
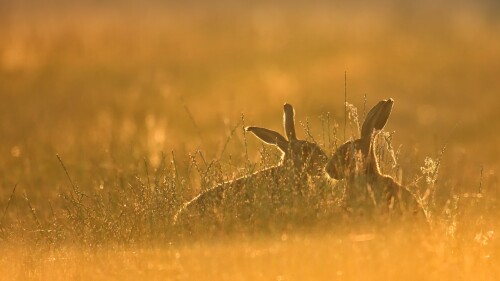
{"type": "Point", "coordinates": [233, 200]}
{"type": "Point", "coordinates": [356, 162]}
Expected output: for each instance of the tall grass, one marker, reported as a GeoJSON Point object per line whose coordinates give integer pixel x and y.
{"type": "Point", "coordinates": [139, 206]}
{"type": "Point", "coordinates": [110, 121]}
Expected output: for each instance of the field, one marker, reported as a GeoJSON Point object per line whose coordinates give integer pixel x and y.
{"type": "Point", "coordinates": [112, 115]}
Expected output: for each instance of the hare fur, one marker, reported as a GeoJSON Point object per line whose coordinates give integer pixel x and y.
{"type": "Point", "coordinates": [356, 162]}
{"type": "Point", "coordinates": [300, 160]}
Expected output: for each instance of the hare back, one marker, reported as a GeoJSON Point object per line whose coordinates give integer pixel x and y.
{"type": "Point", "coordinates": [381, 198]}
{"type": "Point", "coordinates": [400, 200]}
{"type": "Point", "coordinates": [238, 199]}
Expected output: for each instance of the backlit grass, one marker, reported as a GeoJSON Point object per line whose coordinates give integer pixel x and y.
{"type": "Point", "coordinates": [111, 117]}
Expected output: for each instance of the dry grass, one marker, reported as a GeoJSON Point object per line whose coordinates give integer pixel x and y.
{"type": "Point", "coordinates": [286, 257]}
{"type": "Point", "coordinates": [144, 106]}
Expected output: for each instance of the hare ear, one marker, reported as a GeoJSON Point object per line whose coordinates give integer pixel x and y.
{"type": "Point", "coordinates": [269, 137]}
{"type": "Point", "coordinates": [376, 118]}
{"type": "Point", "coordinates": [289, 122]}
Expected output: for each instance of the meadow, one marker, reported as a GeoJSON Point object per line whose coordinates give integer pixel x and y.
{"type": "Point", "coordinates": [114, 115]}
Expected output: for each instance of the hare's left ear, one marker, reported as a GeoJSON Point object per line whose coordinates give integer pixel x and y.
{"type": "Point", "coordinates": [269, 137]}
{"type": "Point", "coordinates": [289, 122]}
{"type": "Point", "coordinates": [376, 118]}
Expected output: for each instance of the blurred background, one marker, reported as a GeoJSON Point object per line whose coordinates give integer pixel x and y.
{"type": "Point", "coordinates": [105, 84]}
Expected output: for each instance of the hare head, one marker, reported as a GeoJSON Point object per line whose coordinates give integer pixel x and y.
{"type": "Point", "coordinates": [305, 156]}
{"type": "Point", "coordinates": [351, 158]}
{"type": "Point", "coordinates": [382, 190]}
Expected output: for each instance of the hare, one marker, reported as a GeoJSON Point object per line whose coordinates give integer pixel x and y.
{"type": "Point", "coordinates": [356, 161]}
{"type": "Point", "coordinates": [227, 200]}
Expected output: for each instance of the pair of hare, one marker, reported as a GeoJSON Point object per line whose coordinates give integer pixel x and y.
{"type": "Point", "coordinates": [355, 162]}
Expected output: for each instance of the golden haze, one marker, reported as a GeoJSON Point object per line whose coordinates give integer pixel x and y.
{"type": "Point", "coordinates": [113, 89]}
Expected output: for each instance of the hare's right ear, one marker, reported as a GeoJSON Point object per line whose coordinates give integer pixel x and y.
{"type": "Point", "coordinates": [376, 118]}
{"type": "Point", "coordinates": [269, 137]}
{"type": "Point", "coordinates": [289, 122]}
